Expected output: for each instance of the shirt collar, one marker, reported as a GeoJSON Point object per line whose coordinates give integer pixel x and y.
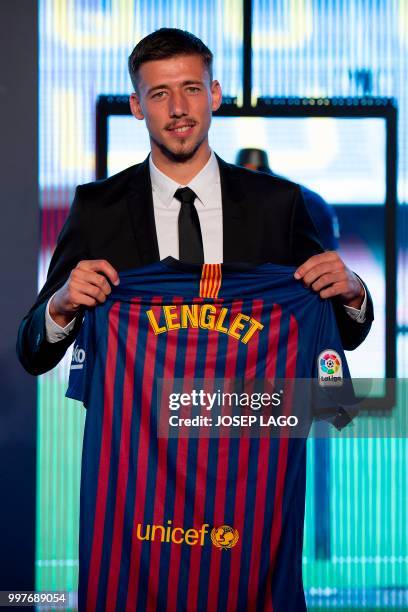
{"type": "Point", "coordinates": [202, 184]}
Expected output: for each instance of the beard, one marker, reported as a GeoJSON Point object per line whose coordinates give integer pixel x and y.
{"type": "Point", "coordinates": [178, 156]}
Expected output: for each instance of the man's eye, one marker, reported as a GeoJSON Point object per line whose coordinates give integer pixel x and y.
{"type": "Point", "coordinates": [159, 94]}
{"type": "Point", "coordinates": [193, 89]}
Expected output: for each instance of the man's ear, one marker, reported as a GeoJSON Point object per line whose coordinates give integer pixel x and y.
{"type": "Point", "coordinates": [216, 94]}
{"type": "Point", "coordinates": [135, 106]}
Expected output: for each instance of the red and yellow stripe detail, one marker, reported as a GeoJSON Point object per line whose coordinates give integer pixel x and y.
{"type": "Point", "coordinates": [210, 283]}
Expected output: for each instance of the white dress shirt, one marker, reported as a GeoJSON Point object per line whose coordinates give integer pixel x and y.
{"type": "Point", "coordinates": [207, 187]}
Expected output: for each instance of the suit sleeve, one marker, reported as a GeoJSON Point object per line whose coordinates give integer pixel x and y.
{"type": "Point", "coordinates": [34, 352]}
{"type": "Point", "coordinates": [305, 242]}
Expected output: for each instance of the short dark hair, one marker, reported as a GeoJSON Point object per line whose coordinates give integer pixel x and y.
{"type": "Point", "coordinates": [165, 43]}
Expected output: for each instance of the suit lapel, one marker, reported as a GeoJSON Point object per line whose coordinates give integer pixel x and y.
{"type": "Point", "coordinates": [234, 214]}
{"type": "Point", "coordinates": [141, 212]}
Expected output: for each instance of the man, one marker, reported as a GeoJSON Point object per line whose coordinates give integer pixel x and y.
{"type": "Point", "coordinates": [136, 217]}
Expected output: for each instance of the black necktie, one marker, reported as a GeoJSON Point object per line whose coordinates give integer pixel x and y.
{"type": "Point", "coordinates": [190, 239]}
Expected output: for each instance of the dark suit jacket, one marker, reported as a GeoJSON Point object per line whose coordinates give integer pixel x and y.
{"type": "Point", "coordinates": [264, 220]}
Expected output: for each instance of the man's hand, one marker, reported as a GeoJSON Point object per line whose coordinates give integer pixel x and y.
{"type": "Point", "coordinates": [86, 286]}
{"type": "Point", "coordinates": [327, 274]}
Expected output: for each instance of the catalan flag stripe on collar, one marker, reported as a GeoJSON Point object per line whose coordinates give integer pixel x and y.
{"type": "Point", "coordinates": [211, 277]}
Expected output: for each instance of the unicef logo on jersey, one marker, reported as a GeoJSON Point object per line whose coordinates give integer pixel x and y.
{"type": "Point", "coordinates": [78, 358]}
{"type": "Point", "coordinates": [224, 536]}
{"type": "Point", "coordinates": [330, 368]}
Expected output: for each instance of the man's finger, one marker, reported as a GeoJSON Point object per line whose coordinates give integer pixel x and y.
{"type": "Point", "coordinates": [80, 288]}
{"type": "Point", "coordinates": [321, 258]}
{"type": "Point", "coordinates": [80, 299]}
{"type": "Point", "coordinates": [326, 268]}
{"type": "Point", "coordinates": [326, 280]}
{"type": "Point", "coordinates": [100, 265]}
{"type": "Point", "coordinates": [333, 290]}
{"type": "Point", "coordinates": [91, 277]}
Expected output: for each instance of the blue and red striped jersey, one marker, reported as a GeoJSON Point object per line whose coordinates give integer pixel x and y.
{"type": "Point", "coordinates": [194, 522]}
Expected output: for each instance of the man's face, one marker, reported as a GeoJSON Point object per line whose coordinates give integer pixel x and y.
{"type": "Point", "coordinates": [176, 98]}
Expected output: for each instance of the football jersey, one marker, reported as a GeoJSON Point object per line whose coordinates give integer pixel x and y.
{"type": "Point", "coordinates": [194, 522]}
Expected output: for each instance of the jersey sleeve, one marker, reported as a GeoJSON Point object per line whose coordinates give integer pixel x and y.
{"type": "Point", "coordinates": [82, 362]}
{"type": "Point", "coordinates": [334, 399]}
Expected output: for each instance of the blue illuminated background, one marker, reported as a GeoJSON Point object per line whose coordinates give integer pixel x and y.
{"type": "Point", "coordinates": [300, 48]}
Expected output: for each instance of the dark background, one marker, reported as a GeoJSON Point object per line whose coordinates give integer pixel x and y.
{"type": "Point", "coordinates": [19, 269]}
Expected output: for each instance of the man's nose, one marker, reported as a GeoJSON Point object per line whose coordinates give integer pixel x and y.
{"type": "Point", "coordinates": [178, 104]}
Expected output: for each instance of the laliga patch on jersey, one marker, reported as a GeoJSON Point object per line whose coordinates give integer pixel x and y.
{"type": "Point", "coordinates": [330, 368]}
{"type": "Point", "coordinates": [78, 358]}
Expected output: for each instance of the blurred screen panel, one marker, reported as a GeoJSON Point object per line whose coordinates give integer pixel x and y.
{"type": "Point", "coordinates": [342, 159]}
